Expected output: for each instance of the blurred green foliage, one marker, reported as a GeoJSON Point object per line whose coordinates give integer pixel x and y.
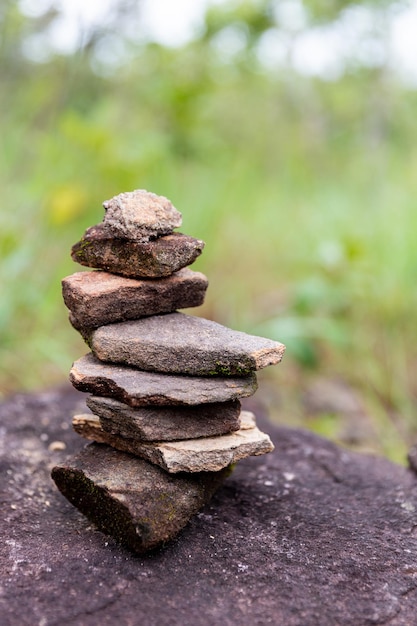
{"type": "Point", "coordinates": [303, 189]}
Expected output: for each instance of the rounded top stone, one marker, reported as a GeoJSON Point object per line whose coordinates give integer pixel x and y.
{"type": "Point", "coordinates": [140, 215]}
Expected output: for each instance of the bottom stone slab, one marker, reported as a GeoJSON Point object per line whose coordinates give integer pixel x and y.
{"type": "Point", "coordinates": [137, 503]}
{"type": "Point", "coordinates": [206, 454]}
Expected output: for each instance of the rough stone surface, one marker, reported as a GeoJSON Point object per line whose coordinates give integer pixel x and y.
{"type": "Point", "coordinates": [137, 388]}
{"type": "Point", "coordinates": [209, 454]}
{"type": "Point", "coordinates": [177, 343]}
{"type": "Point", "coordinates": [165, 423]}
{"type": "Point", "coordinates": [140, 215]}
{"type": "Point", "coordinates": [98, 298]}
{"type": "Point", "coordinates": [309, 535]}
{"type": "Point", "coordinates": [135, 502]}
{"type": "Point", "coordinates": [153, 259]}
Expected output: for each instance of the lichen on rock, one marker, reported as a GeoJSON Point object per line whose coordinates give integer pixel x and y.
{"type": "Point", "coordinates": [140, 215]}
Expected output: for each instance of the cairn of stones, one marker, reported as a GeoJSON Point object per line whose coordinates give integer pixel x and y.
{"type": "Point", "coordinates": [164, 408]}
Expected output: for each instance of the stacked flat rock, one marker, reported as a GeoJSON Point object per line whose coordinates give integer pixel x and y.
{"type": "Point", "coordinates": [165, 386]}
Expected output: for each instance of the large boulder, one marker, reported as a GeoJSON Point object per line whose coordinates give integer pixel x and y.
{"type": "Point", "coordinates": [309, 535]}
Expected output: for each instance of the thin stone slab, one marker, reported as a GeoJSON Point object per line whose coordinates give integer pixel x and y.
{"type": "Point", "coordinates": [165, 423]}
{"type": "Point", "coordinates": [209, 454]}
{"type": "Point", "coordinates": [140, 215]}
{"type": "Point", "coordinates": [153, 259]}
{"type": "Point", "coordinates": [134, 501]}
{"type": "Point", "coordinates": [180, 343]}
{"type": "Point", "coordinates": [98, 298]}
{"type": "Point", "coordinates": [138, 388]}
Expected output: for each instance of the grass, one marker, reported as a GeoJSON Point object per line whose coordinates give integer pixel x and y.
{"type": "Point", "coordinates": [319, 254]}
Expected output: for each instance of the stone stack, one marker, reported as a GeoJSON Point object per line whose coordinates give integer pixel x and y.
{"type": "Point", "coordinates": [166, 386]}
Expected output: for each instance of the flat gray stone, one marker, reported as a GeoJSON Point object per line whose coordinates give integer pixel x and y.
{"type": "Point", "coordinates": [180, 343]}
{"type": "Point", "coordinates": [208, 454]}
{"type": "Point", "coordinates": [135, 502]}
{"type": "Point", "coordinates": [153, 259]}
{"type": "Point", "coordinates": [140, 215]}
{"type": "Point", "coordinates": [166, 423]}
{"type": "Point", "coordinates": [138, 388]}
{"type": "Point", "coordinates": [98, 298]}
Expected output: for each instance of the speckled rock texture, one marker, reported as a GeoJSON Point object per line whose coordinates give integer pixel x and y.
{"type": "Point", "coordinates": [207, 454]}
{"type": "Point", "coordinates": [167, 423]}
{"type": "Point", "coordinates": [140, 215]}
{"type": "Point", "coordinates": [137, 388]}
{"type": "Point", "coordinates": [309, 535]}
{"type": "Point", "coordinates": [177, 343]}
{"type": "Point", "coordinates": [98, 298]}
{"type": "Point", "coordinates": [152, 259]}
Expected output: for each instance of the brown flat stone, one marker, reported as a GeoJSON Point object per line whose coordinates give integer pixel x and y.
{"type": "Point", "coordinates": [180, 343]}
{"type": "Point", "coordinates": [153, 259]}
{"type": "Point", "coordinates": [138, 388]}
{"type": "Point", "coordinates": [137, 503]}
{"type": "Point", "coordinates": [207, 454]}
{"type": "Point", "coordinates": [98, 298]}
{"type": "Point", "coordinates": [165, 423]}
{"type": "Point", "coordinates": [140, 215]}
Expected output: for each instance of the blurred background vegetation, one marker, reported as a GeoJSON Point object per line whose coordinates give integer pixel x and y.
{"type": "Point", "coordinates": [302, 183]}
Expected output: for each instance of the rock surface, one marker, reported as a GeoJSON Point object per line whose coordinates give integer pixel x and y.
{"type": "Point", "coordinates": [98, 298]}
{"type": "Point", "coordinates": [137, 503]}
{"type": "Point", "coordinates": [140, 215]}
{"type": "Point", "coordinates": [177, 343]}
{"type": "Point", "coordinates": [137, 388]}
{"type": "Point", "coordinates": [165, 423]}
{"type": "Point", "coordinates": [209, 454]}
{"type": "Point", "coordinates": [309, 535]}
{"type": "Point", "coordinates": [153, 259]}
